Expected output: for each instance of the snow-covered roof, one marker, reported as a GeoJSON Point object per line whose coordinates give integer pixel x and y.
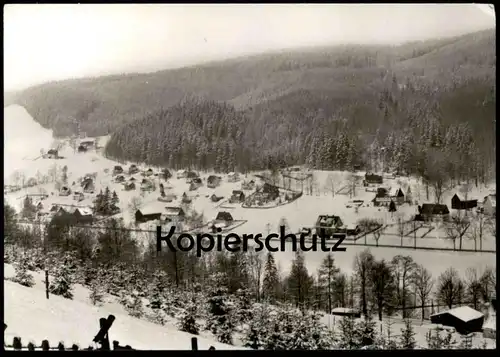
{"type": "Point", "coordinates": [173, 211]}
{"type": "Point", "coordinates": [85, 211]}
{"type": "Point", "coordinates": [231, 174]}
{"type": "Point", "coordinates": [463, 313]}
{"type": "Point", "coordinates": [460, 196]}
{"type": "Point", "coordinates": [181, 171]}
{"type": "Point", "coordinates": [152, 209]}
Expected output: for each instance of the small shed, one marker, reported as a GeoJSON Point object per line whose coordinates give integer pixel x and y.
{"type": "Point", "coordinates": [464, 319]}
{"type": "Point", "coordinates": [237, 197]}
{"type": "Point", "coordinates": [460, 203]}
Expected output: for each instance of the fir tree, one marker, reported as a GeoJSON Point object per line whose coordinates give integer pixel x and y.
{"type": "Point", "coordinates": [62, 281]}
{"type": "Point", "coordinates": [134, 306]}
{"type": "Point", "coordinates": [219, 321]}
{"type": "Point", "coordinates": [97, 292]}
{"type": "Point", "coordinates": [187, 321]}
{"type": "Point", "coordinates": [156, 290]}
{"type": "Point", "coordinates": [271, 279]}
{"type": "Point", "coordinates": [23, 276]}
{"type": "Point", "coordinates": [407, 338]}
{"type": "Point", "coordinates": [114, 201]}
{"type": "Point", "coordinates": [366, 328]}
{"type": "Point", "coordinates": [349, 335]}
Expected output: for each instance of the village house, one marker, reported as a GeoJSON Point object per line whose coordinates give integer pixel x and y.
{"type": "Point", "coordinates": [173, 214]}
{"type": "Point", "coordinates": [225, 218]}
{"type": "Point", "coordinates": [233, 177]}
{"type": "Point", "coordinates": [397, 196]}
{"type": "Point", "coordinates": [52, 154]}
{"type": "Point", "coordinates": [148, 213]}
{"type": "Point", "coordinates": [248, 185]}
{"type": "Point", "coordinates": [215, 198]}
{"type": "Point", "coordinates": [88, 185]}
{"type": "Point", "coordinates": [195, 184]}
{"type": "Point", "coordinates": [148, 173]}
{"type": "Point", "coordinates": [82, 148]}
{"type": "Point", "coordinates": [181, 174]}
{"type": "Point", "coordinates": [432, 212]}
{"type": "Point", "coordinates": [237, 197]}
{"type": "Point", "coordinates": [65, 191]}
{"type": "Point", "coordinates": [186, 198]}
{"type": "Point", "coordinates": [83, 214]}
{"type": "Point", "coordinates": [490, 205]}
{"type": "Point", "coordinates": [460, 203]}
{"type": "Point", "coordinates": [120, 179]}
{"type": "Point", "coordinates": [129, 186]}
{"type": "Point", "coordinates": [78, 196]}
{"type": "Point", "coordinates": [464, 319]}
{"type": "Point", "coordinates": [133, 169]}
{"type": "Point", "coordinates": [382, 198]}
{"type": "Point", "coordinates": [328, 224]}
{"type": "Point", "coordinates": [117, 170]}
{"type": "Point", "coordinates": [372, 179]}
{"type": "Point", "coordinates": [147, 185]}
{"type": "Point", "coordinates": [213, 181]}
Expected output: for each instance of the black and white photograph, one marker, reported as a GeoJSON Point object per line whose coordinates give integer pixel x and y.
{"type": "Point", "coordinates": [249, 177]}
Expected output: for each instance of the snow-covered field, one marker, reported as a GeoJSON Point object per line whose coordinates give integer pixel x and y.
{"type": "Point", "coordinates": [303, 212]}
{"type": "Point", "coordinates": [29, 315]}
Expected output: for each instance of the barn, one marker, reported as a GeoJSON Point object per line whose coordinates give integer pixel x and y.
{"type": "Point", "coordinates": [464, 319]}
{"type": "Point", "coordinates": [459, 202]}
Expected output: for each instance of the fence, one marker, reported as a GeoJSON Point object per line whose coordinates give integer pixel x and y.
{"type": "Point", "coordinates": [101, 338]}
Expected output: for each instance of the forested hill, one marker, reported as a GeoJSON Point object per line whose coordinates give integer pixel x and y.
{"type": "Point", "coordinates": [340, 73]}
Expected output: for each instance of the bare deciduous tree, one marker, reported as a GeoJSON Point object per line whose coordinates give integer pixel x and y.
{"type": "Point", "coordinates": [401, 226]}
{"type": "Point", "coordinates": [423, 283]}
{"type": "Point", "coordinates": [450, 288]}
{"type": "Point", "coordinates": [473, 286]}
{"type": "Point", "coordinates": [477, 229]}
{"type": "Point", "coordinates": [134, 204]}
{"type": "Point", "coordinates": [382, 285]}
{"type": "Point", "coordinates": [455, 229]}
{"type": "Point", "coordinates": [403, 267]}
{"type": "Point", "coordinates": [362, 266]}
{"type": "Point", "coordinates": [331, 183]}
{"type": "Point", "coordinates": [256, 261]}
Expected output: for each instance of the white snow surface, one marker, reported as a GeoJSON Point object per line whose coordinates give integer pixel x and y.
{"type": "Point", "coordinates": [29, 315]}
{"type": "Point", "coordinates": [23, 139]}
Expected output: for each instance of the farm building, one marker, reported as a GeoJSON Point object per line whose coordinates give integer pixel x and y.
{"type": "Point", "coordinates": [52, 154]}
{"type": "Point", "coordinates": [490, 205]}
{"type": "Point", "coordinates": [326, 224]}
{"type": "Point", "coordinates": [233, 177]}
{"type": "Point", "coordinates": [372, 179]}
{"type": "Point", "coordinates": [397, 195]}
{"type": "Point", "coordinates": [431, 211]}
{"type": "Point", "coordinates": [346, 312]}
{"type": "Point", "coordinates": [120, 178]}
{"type": "Point", "coordinates": [133, 169]}
{"type": "Point", "coordinates": [224, 217]}
{"type": "Point", "coordinates": [173, 214]}
{"type": "Point", "coordinates": [147, 214]}
{"type": "Point", "coordinates": [213, 181]}
{"type": "Point", "coordinates": [129, 186]}
{"type": "Point", "coordinates": [65, 191]}
{"type": "Point", "coordinates": [83, 214]}
{"type": "Point", "coordinates": [459, 202]}
{"type": "Point", "coordinates": [78, 196]}
{"type": "Point", "coordinates": [237, 197]}
{"type": "Point", "coordinates": [215, 198]}
{"type": "Point", "coordinates": [117, 170]}
{"type": "Point", "coordinates": [147, 185]}
{"type": "Point", "coordinates": [248, 185]}
{"type": "Point", "coordinates": [464, 319]}
{"type": "Point", "coordinates": [88, 185]}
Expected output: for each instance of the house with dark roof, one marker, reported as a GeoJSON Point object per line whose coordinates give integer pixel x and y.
{"type": "Point", "coordinates": [372, 179]}
{"type": "Point", "coordinates": [382, 197]}
{"type": "Point", "coordinates": [328, 224]}
{"type": "Point", "coordinates": [460, 203]}
{"type": "Point", "coordinates": [464, 319]}
{"type": "Point", "coordinates": [129, 186]}
{"type": "Point", "coordinates": [237, 197]}
{"type": "Point", "coordinates": [120, 179]}
{"type": "Point", "coordinates": [117, 170]}
{"type": "Point", "coordinates": [213, 181]}
{"type": "Point", "coordinates": [432, 211]}
{"type": "Point", "coordinates": [224, 217]}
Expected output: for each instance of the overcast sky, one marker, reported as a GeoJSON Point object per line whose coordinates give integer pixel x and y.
{"type": "Point", "coordinates": [46, 42]}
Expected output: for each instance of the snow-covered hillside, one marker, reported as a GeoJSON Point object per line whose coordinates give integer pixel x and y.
{"type": "Point", "coordinates": [29, 315]}
{"type": "Point", "coordinates": [23, 139]}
